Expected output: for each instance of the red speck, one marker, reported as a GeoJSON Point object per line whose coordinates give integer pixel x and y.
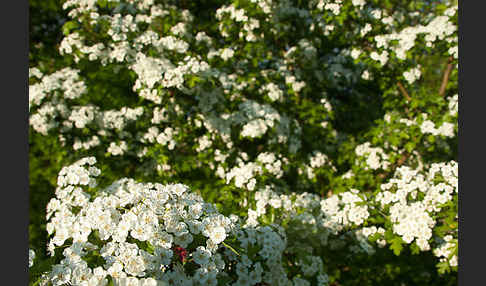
{"type": "Point", "coordinates": [181, 252]}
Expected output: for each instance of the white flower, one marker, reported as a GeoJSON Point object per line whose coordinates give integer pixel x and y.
{"type": "Point", "coordinates": [227, 53]}
{"type": "Point", "coordinates": [31, 257]}
{"type": "Point", "coordinates": [201, 256]}
{"type": "Point", "coordinates": [217, 234]}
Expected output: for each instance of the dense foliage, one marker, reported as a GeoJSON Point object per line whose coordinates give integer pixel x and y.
{"type": "Point", "coordinates": [244, 142]}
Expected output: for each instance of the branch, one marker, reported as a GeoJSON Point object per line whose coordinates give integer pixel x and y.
{"type": "Point", "coordinates": [445, 77]}
{"type": "Point", "coordinates": [402, 159]}
{"type": "Point", "coordinates": [396, 165]}
{"type": "Point", "coordinates": [403, 91]}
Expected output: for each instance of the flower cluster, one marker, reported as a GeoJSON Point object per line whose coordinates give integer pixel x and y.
{"type": "Point", "coordinates": [446, 129]}
{"type": "Point", "coordinates": [412, 75]}
{"type": "Point", "coordinates": [446, 250]}
{"type": "Point", "coordinates": [376, 158]}
{"type": "Point", "coordinates": [267, 268]}
{"type": "Point", "coordinates": [47, 97]}
{"type": "Point", "coordinates": [135, 228]}
{"type": "Point", "coordinates": [412, 199]}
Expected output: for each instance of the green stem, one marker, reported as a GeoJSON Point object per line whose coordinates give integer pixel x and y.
{"type": "Point", "coordinates": [231, 248]}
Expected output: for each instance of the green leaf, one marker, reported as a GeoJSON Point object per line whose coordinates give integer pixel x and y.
{"type": "Point", "coordinates": [443, 267]}
{"type": "Point", "coordinates": [414, 248]}
{"type": "Point", "coordinates": [396, 245]}
{"type": "Point", "coordinates": [68, 26]}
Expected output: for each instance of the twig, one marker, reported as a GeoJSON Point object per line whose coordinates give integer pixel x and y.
{"type": "Point", "coordinates": [396, 165]}
{"type": "Point", "coordinates": [403, 91]}
{"type": "Point", "coordinates": [231, 248]}
{"type": "Point", "coordinates": [445, 77]}
{"type": "Point", "coordinates": [402, 159]}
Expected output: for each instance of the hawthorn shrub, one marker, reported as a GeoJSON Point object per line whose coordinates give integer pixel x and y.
{"type": "Point", "coordinates": [244, 142]}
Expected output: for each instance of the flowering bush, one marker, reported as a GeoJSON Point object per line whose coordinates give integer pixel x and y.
{"type": "Point", "coordinates": [249, 142]}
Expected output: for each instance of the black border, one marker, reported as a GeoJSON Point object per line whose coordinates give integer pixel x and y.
{"type": "Point", "coordinates": [471, 73]}
{"type": "Point", "coordinates": [14, 116]}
